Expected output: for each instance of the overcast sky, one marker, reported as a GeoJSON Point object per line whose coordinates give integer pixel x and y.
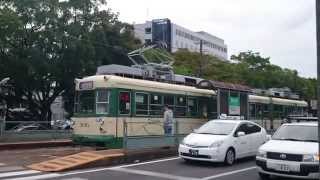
{"type": "Point", "coordinates": [283, 30]}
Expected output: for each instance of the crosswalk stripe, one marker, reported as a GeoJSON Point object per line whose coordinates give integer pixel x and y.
{"type": "Point", "coordinates": [10, 168]}
{"type": "Point", "coordinates": [18, 173]}
{"type": "Point", "coordinates": [37, 177]}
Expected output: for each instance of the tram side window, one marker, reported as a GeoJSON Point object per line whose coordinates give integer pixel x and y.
{"type": "Point", "coordinates": [169, 100]}
{"type": "Point", "coordinates": [252, 109]}
{"type": "Point", "coordinates": [124, 103]}
{"type": "Point", "coordinates": [142, 107]}
{"type": "Point", "coordinates": [102, 101]}
{"type": "Point", "coordinates": [156, 104]}
{"type": "Point", "coordinates": [192, 106]}
{"type": "Point", "coordinates": [85, 102]}
{"type": "Point", "coordinates": [180, 106]}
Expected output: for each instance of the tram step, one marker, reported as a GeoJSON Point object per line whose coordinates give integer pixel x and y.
{"type": "Point", "coordinates": [75, 160]}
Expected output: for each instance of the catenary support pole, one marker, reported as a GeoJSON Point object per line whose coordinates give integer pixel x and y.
{"type": "Point", "coordinates": [318, 69]}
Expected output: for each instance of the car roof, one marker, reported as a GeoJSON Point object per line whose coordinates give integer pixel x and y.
{"type": "Point", "coordinates": [230, 121]}
{"type": "Point", "coordinates": [313, 123]}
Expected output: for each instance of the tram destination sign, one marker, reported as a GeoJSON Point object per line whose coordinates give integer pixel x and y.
{"type": "Point", "coordinates": [87, 85]}
{"type": "Point", "coordinates": [234, 105]}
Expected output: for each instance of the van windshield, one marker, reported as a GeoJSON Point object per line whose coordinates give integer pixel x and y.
{"type": "Point", "coordinates": [216, 128]}
{"type": "Point", "coordinates": [297, 133]}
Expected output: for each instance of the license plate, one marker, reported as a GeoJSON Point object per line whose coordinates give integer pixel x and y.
{"type": "Point", "coordinates": [279, 167]}
{"type": "Point", "coordinates": [193, 152]}
{"type": "Point", "coordinates": [283, 167]}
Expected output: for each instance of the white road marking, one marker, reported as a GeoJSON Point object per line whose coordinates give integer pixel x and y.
{"type": "Point", "coordinates": [154, 174]}
{"type": "Point", "coordinates": [10, 168]}
{"type": "Point", "coordinates": [18, 173]}
{"type": "Point", "coordinates": [121, 166]}
{"type": "Point", "coordinates": [37, 177]}
{"type": "Point", "coordinates": [75, 178]}
{"type": "Point", "coordinates": [2, 164]}
{"type": "Point", "coordinates": [229, 173]}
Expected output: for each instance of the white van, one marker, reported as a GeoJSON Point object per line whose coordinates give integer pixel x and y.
{"type": "Point", "coordinates": [292, 152]}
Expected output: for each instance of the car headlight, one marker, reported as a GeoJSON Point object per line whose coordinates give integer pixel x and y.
{"type": "Point", "coordinates": [216, 144]}
{"type": "Point", "coordinates": [262, 154]}
{"type": "Point", "coordinates": [183, 142]}
{"type": "Point", "coordinates": [310, 158]}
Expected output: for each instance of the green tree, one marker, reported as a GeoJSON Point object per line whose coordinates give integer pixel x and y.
{"type": "Point", "coordinates": [45, 45]}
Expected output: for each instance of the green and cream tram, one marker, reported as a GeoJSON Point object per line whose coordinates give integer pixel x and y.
{"type": "Point", "coordinates": [104, 103]}
{"type": "Point", "coordinates": [273, 110]}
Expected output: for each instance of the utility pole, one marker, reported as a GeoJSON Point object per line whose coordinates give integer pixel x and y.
{"type": "Point", "coordinates": [318, 70]}
{"type": "Point", "coordinates": [201, 58]}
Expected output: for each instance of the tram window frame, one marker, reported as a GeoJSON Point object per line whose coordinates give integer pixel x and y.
{"type": "Point", "coordinates": [178, 107]}
{"type": "Point", "coordinates": [165, 98]}
{"type": "Point", "coordinates": [81, 100]}
{"type": "Point", "coordinates": [129, 102]}
{"type": "Point", "coordinates": [98, 102]}
{"type": "Point", "coordinates": [156, 108]}
{"type": "Point", "coordinates": [147, 105]}
{"type": "Point", "coordinates": [195, 112]}
{"type": "Point", "coordinates": [77, 102]}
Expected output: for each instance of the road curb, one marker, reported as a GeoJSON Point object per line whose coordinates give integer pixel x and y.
{"type": "Point", "coordinates": [34, 144]}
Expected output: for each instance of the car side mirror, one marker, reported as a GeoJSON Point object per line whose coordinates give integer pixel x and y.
{"type": "Point", "coordinates": [240, 133]}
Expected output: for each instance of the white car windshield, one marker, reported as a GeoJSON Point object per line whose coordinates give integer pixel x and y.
{"type": "Point", "coordinates": [297, 133]}
{"type": "Point", "coordinates": [216, 128]}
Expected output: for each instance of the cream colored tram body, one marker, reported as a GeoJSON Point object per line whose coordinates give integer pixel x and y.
{"type": "Point", "coordinates": [104, 104]}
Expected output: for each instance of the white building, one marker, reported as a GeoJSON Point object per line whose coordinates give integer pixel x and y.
{"type": "Point", "coordinates": [177, 37]}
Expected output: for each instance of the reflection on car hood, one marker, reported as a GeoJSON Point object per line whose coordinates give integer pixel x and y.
{"type": "Point", "coordinates": [194, 139]}
{"type": "Point", "coordinates": [291, 147]}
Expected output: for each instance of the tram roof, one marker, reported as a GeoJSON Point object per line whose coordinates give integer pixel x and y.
{"type": "Point", "coordinates": [278, 101]}
{"type": "Point", "coordinates": [103, 81]}
{"type": "Point", "coordinates": [210, 84]}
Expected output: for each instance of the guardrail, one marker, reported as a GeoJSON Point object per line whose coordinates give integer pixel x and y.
{"type": "Point", "coordinates": [10, 134]}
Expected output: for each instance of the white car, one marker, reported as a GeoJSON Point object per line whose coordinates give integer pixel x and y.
{"type": "Point", "coordinates": [223, 141]}
{"type": "Point", "coordinates": [292, 152]}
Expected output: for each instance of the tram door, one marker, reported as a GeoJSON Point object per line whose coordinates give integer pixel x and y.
{"type": "Point", "coordinates": [124, 109]}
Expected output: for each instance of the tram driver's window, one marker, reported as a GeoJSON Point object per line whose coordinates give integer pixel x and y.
{"type": "Point", "coordinates": [86, 102]}
{"type": "Point", "coordinates": [124, 103]}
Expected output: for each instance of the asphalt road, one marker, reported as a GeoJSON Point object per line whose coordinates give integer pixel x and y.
{"type": "Point", "coordinates": [162, 169]}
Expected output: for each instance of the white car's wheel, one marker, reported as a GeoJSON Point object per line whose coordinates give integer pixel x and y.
{"type": "Point", "coordinates": [230, 157]}
{"type": "Point", "coordinates": [264, 176]}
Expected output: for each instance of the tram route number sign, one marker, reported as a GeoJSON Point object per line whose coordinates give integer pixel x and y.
{"type": "Point", "coordinates": [86, 85]}
{"type": "Point", "coordinates": [234, 105]}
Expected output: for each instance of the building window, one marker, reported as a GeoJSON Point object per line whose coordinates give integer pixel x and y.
{"type": "Point", "coordinates": [102, 101]}
{"type": "Point", "coordinates": [142, 104]}
{"type": "Point", "coordinates": [147, 30]}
